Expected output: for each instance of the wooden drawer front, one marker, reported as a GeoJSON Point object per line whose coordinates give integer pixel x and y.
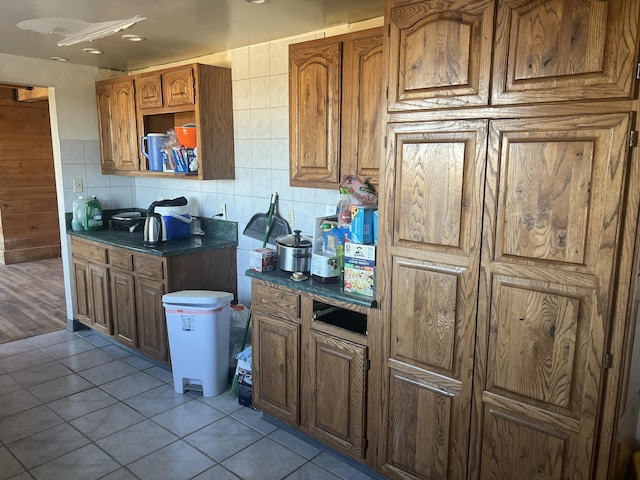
{"type": "Point", "coordinates": [276, 302]}
{"type": "Point", "coordinates": [121, 260]}
{"type": "Point", "coordinates": [148, 266]}
{"type": "Point", "coordinates": [89, 250]}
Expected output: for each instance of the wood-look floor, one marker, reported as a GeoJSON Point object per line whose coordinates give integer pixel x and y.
{"type": "Point", "coordinates": [31, 299]}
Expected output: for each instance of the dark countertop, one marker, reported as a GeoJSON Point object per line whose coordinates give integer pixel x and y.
{"type": "Point", "coordinates": [218, 234]}
{"type": "Point", "coordinates": [333, 291]}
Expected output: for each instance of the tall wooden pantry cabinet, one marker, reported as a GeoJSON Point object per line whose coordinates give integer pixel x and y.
{"type": "Point", "coordinates": [508, 209]}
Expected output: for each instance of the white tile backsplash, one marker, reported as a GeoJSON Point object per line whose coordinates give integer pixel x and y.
{"type": "Point", "coordinates": [260, 92]}
{"type": "Point", "coordinates": [259, 60]}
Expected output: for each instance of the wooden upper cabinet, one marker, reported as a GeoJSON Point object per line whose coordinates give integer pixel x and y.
{"type": "Point", "coordinates": [117, 123]}
{"type": "Point", "coordinates": [335, 98]}
{"type": "Point", "coordinates": [169, 88]}
{"type": "Point", "coordinates": [362, 106]}
{"type": "Point", "coordinates": [555, 50]}
{"type": "Point", "coordinates": [315, 76]}
{"type": "Point", "coordinates": [439, 53]}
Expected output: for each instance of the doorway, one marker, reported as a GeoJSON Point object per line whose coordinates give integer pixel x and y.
{"type": "Point", "coordinates": [31, 274]}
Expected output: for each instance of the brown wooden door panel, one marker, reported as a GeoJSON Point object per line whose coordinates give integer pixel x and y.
{"type": "Point", "coordinates": [439, 53]}
{"type": "Point", "coordinates": [362, 107]}
{"type": "Point", "coordinates": [104, 94]}
{"type": "Point", "coordinates": [437, 194]}
{"type": "Point", "coordinates": [81, 277]}
{"type": "Point", "coordinates": [553, 204]}
{"type": "Point", "coordinates": [424, 440]}
{"type": "Point", "coordinates": [439, 170]}
{"type": "Point", "coordinates": [337, 404]}
{"type": "Point", "coordinates": [525, 449]}
{"type": "Point", "coordinates": [178, 87]}
{"type": "Point", "coordinates": [99, 299]}
{"type": "Point", "coordinates": [124, 307]}
{"type": "Point", "coordinates": [276, 352]}
{"type": "Point", "coordinates": [149, 90]}
{"type": "Point", "coordinates": [152, 328]}
{"type": "Point", "coordinates": [124, 126]}
{"type": "Point", "coordinates": [554, 50]}
{"type": "Point", "coordinates": [315, 77]}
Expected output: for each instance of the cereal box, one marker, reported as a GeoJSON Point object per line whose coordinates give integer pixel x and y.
{"type": "Point", "coordinates": [361, 224]}
{"type": "Point", "coordinates": [360, 269]}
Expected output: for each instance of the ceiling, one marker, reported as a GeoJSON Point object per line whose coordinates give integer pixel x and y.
{"type": "Point", "coordinates": [174, 29]}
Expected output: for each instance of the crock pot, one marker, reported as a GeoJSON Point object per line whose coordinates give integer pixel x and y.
{"type": "Point", "coordinates": [294, 252]}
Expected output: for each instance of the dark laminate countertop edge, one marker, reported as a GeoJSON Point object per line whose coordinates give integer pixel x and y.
{"type": "Point", "coordinates": [330, 291]}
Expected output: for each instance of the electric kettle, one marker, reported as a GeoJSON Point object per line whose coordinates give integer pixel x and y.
{"type": "Point", "coordinates": [154, 228]}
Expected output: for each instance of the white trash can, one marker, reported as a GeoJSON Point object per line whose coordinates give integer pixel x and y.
{"type": "Point", "coordinates": [198, 327]}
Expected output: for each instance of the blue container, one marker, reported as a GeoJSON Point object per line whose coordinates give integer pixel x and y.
{"type": "Point", "coordinates": [175, 228]}
{"type": "Point", "coordinates": [151, 147]}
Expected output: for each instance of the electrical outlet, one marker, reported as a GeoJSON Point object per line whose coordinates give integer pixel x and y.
{"type": "Point", "coordinates": [290, 218]}
{"type": "Point", "coordinates": [77, 185]}
{"type": "Point", "coordinates": [222, 211]}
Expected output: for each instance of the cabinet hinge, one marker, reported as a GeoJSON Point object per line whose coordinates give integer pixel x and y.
{"type": "Point", "coordinates": [608, 360]}
{"type": "Point", "coordinates": [385, 142]}
{"type": "Point", "coordinates": [638, 71]}
{"type": "Point", "coordinates": [386, 92]}
{"type": "Point", "coordinates": [389, 33]}
{"type": "Point", "coordinates": [633, 138]}
{"type": "Point", "coordinates": [365, 443]}
{"type": "Point", "coordinates": [367, 364]}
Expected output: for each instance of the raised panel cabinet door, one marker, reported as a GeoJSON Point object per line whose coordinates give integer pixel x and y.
{"type": "Point", "coordinates": [362, 106]}
{"type": "Point", "coordinates": [123, 302]}
{"type": "Point", "coordinates": [555, 50]}
{"type": "Point", "coordinates": [436, 173]}
{"type": "Point", "coordinates": [338, 386]}
{"type": "Point", "coordinates": [276, 367]}
{"type": "Point", "coordinates": [149, 90]}
{"type": "Point", "coordinates": [152, 328]}
{"type": "Point", "coordinates": [553, 206]}
{"type": "Point", "coordinates": [439, 53]}
{"type": "Point", "coordinates": [81, 277]}
{"type": "Point", "coordinates": [124, 132]}
{"type": "Point", "coordinates": [315, 76]}
{"type": "Point", "coordinates": [104, 98]}
{"type": "Point", "coordinates": [178, 87]}
{"type": "Point", "coordinates": [99, 299]}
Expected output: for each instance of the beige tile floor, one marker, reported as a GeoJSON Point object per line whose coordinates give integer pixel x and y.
{"type": "Point", "coordinates": [77, 406]}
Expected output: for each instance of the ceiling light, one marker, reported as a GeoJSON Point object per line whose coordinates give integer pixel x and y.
{"type": "Point", "coordinates": [94, 31]}
{"type": "Point", "coordinates": [133, 38]}
{"type": "Point", "coordinates": [256, 2]}
{"type": "Point", "coordinates": [93, 51]}
{"type": "Point", "coordinates": [60, 59]}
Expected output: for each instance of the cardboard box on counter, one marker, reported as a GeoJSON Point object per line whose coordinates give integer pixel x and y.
{"type": "Point", "coordinates": [360, 269]}
{"type": "Point", "coordinates": [262, 259]}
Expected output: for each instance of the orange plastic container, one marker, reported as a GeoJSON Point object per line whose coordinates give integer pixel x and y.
{"type": "Point", "coordinates": [186, 136]}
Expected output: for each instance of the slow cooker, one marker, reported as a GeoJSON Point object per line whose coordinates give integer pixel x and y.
{"type": "Point", "coordinates": [294, 252]}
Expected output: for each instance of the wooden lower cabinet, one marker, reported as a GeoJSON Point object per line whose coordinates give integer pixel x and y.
{"type": "Point", "coordinates": [123, 302]}
{"type": "Point", "coordinates": [118, 292]}
{"type": "Point", "coordinates": [276, 371]}
{"type": "Point", "coordinates": [152, 334]}
{"type": "Point", "coordinates": [311, 378]}
{"type": "Point", "coordinates": [337, 400]}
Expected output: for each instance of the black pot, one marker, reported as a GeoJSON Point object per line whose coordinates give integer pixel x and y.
{"type": "Point", "coordinates": [294, 252]}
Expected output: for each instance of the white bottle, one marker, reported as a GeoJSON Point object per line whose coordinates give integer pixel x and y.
{"type": "Point", "coordinates": [78, 214]}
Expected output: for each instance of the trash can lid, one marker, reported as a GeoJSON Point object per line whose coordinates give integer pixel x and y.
{"type": "Point", "coordinates": [197, 298]}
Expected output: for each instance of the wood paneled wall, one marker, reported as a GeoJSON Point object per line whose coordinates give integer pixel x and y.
{"type": "Point", "coordinates": [28, 207]}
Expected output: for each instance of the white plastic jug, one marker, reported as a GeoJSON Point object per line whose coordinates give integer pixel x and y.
{"type": "Point", "coordinates": [153, 143]}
